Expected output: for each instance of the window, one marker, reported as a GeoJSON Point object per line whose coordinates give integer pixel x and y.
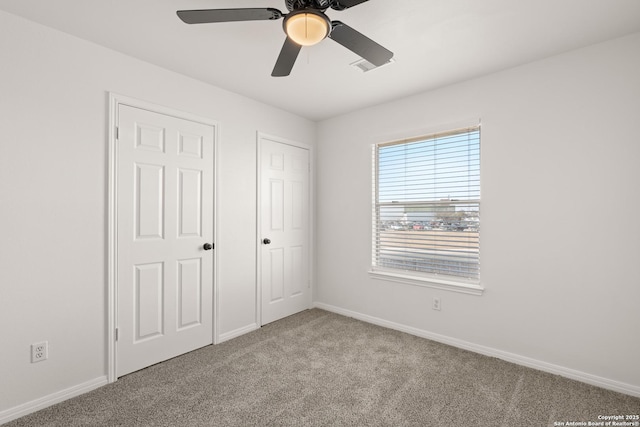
{"type": "Point", "coordinates": [426, 210]}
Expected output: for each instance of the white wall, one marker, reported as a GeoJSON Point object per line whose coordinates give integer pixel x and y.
{"type": "Point", "coordinates": [560, 235]}
{"type": "Point", "coordinates": [559, 154]}
{"type": "Point", "coordinates": [53, 194]}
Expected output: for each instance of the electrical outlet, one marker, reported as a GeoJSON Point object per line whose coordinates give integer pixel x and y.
{"type": "Point", "coordinates": [39, 351]}
{"type": "Point", "coordinates": [436, 304]}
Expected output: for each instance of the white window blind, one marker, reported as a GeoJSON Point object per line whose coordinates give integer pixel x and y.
{"type": "Point", "coordinates": [426, 215]}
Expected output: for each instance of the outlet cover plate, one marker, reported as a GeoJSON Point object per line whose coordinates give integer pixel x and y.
{"type": "Point", "coordinates": [39, 351]}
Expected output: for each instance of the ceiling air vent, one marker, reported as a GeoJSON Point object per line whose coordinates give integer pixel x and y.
{"type": "Point", "coordinates": [364, 65]}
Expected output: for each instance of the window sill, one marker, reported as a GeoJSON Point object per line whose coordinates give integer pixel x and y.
{"type": "Point", "coordinates": [472, 288]}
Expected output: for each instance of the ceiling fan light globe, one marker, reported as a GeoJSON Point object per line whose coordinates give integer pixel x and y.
{"type": "Point", "coordinates": [307, 28]}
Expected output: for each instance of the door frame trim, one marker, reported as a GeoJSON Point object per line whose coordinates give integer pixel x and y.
{"type": "Point", "coordinates": [260, 136]}
{"type": "Point", "coordinates": [115, 101]}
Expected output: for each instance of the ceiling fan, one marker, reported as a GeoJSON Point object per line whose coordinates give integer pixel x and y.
{"type": "Point", "coordinates": [305, 25]}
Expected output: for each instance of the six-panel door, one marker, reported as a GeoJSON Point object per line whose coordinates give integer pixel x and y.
{"type": "Point", "coordinates": [164, 218]}
{"type": "Point", "coordinates": [284, 211]}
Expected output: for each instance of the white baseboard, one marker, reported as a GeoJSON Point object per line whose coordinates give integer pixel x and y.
{"type": "Point", "coordinates": [492, 352]}
{"type": "Point", "coordinates": [57, 397]}
{"type": "Point", "coordinates": [237, 332]}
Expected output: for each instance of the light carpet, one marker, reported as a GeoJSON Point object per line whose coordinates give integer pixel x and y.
{"type": "Point", "coordinates": [321, 369]}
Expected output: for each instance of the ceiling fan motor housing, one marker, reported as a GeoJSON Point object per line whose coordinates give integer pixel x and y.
{"type": "Point", "coordinates": [304, 4]}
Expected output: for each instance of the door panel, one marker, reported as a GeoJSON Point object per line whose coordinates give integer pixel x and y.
{"type": "Point", "coordinates": [189, 293]}
{"type": "Point", "coordinates": [297, 273]}
{"type": "Point", "coordinates": [149, 137]}
{"type": "Point", "coordinates": [276, 278]}
{"type": "Point", "coordinates": [189, 203]}
{"type": "Point", "coordinates": [164, 217]}
{"type": "Point", "coordinates": [276, 198]}
{"type": "Point", "coordinates": [149, 201]}
{"type": "Point", "coordinates": [284, 207]}
{"type": "Point", "coordinates": [149, 301]}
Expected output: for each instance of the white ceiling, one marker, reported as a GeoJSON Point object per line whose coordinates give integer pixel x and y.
{"type": "Point", "coordinates": [436, 43]}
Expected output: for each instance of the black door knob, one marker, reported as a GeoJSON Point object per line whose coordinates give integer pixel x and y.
{"type": "Point", "coordinates": [207, 246]}
{"type": "Point", "coordinates": [266, 241]}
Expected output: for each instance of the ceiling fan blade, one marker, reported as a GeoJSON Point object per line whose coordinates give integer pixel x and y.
{"type": "Point", "coordinates": [346, 4]}
{"type": "Point", "coordinates": [286, 59]}
{"type": "Point", "coordinates": [359, 44]}
{"type": "Point", "coordinates": [205, 16]}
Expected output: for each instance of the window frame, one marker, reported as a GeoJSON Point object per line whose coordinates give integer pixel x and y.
{"type": "Point", "coordinates": [432, 280]}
